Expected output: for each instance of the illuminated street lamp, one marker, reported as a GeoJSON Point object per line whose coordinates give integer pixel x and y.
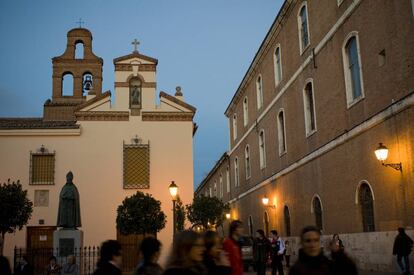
{"type": "Point", "coordinates": [173, 192]}
{"type": "Point", "coordinates": [382, 154]}
{"type": "Point", "coordinates": [228, 216]}
{"type": "Point", "coordinates": [265, 201]}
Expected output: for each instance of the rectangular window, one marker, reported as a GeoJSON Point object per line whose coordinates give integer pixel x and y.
{"type": "Point", "coordinates": [353, 65]}
{"type": "Point", "coordinates": [42, 168]}
{"type": "Point", "coordinates": [234, 126]}
{"type": "Point", "coordinates": [281, 132]}
{"type": "Point", "coordinates": [236, 172]}
{"type": "Point", "coordinates": [309, 108]}
{"type": "Point", "coordinates": [262, 150]}
{"type": "Point", "coordinates": [136, 166]}
{"type": "Point", "coordinates": [245, 112]}
{"type": "Point", "coordinates": [228, 179]}
{"type": "Point", "coordinates": [259, 92]}
{"type": "Point", "coordinates": [352, 70]}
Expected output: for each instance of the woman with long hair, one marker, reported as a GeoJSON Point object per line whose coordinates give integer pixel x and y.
{"type": "Point", "coordinates": [215, 259]}
{"type": "Point", "coordinates": [187, 255]}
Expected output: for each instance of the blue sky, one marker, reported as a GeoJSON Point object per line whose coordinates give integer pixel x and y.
{"type": "Point", "coordinates": [203, 46]}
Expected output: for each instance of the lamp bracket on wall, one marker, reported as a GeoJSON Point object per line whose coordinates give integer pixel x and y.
{"type": "Point", "coordinates": [396, 166]}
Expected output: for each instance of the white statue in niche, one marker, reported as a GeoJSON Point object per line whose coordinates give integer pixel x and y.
{"type": "Point", "coordinates": [135, 94]}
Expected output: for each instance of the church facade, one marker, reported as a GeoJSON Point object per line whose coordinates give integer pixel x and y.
{"type": "Point", "coordinates": [332, 82]}
{"type": "Point", "coordinates": [113, 150]}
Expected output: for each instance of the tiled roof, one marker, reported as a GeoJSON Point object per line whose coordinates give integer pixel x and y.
{"type": "Point", "coordinates": [35, 123]}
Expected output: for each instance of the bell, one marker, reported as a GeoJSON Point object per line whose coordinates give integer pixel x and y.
{"type": "Point", "coordinates": [87, 83]}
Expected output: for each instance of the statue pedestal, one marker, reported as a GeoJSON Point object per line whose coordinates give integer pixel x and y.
{"type": "Point", "coordinates": [67, 242]}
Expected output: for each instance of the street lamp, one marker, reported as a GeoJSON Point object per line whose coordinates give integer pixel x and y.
{"type": "Point", "coordinates": [173, 192]}
{"type": "Point", "coordinates": [382, 154]}
{"type": "Point", "coordinates": [265, 201]}
{"type": "Point", "coordinates": [228, 216]}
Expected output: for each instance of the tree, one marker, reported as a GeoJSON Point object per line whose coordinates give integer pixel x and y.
{"type": "Point", "coordinates": [206, 211]}
{"type": "Point", "coordinates": [179, 215]}
{"type": "Point", "coordinates": [140, 214]}
{"type": "Point", "coordinates": [15, 209]}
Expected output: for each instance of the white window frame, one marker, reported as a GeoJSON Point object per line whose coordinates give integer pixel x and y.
{"type": "Point", "coordinates": [262, 150]}
{"type": "Point", "coordinates": [247, 161]}
{"type": "Point", "coordinates": [306, 110]}
{"type": "Point", "coordinates": [245, 111]}
{"type": "Point", "coordinates": [236, 172]}
{"type": "Point", "coordinates": [259, 91]}
{"type": "Point", "coordinates": [282, 140]}
{"type": "Point", "coordinates": [211, 192]}
{"type": "Point", "coordinates": [234, 126]}
{"type": "Point", "coordinates": [228, 179]}
{"type": "Point", "coordinates": [339, 2]}
{"type": "Point", "coordinates": [301, 47]}
{"type": "Point", "coordinates": [350, 101]}
{"type": "Point", "coordinates": [215, 188]}
{"type": "Point", "coordinates": [221, 185]}
{"type": "Point", "coordinates": [276, 67]}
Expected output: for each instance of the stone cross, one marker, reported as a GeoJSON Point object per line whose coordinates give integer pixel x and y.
{"type": "Point", "coordinates": [80, 22]}
{"type": "Point", "coordinates": [135, 43]}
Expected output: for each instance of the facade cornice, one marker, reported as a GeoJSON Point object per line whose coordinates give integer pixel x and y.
{"type": "Point", "coordinates": [41, 132]}
{"type": "Point", "coordinates": [264, 47]}
{"type": "Point", "coordinates": [141, 67]}
{"type": "Point", "coordinates": [135, 55]}
{"type": "Point", "coordinates": [167, 116]}
{"type": "Point", "coordinates": [102, 116]}
{"type": "Point", "coordinates": [177, 101]}
{"type": "Point", "coordinates": [143, 85]}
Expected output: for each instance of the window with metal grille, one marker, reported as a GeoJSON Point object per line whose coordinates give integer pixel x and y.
{"type": "Point", "coordinates": [136, 166]}
{"type": "Point", "coordinates": [287, 220]}
{"type": "Point", "coordinates": [42, 168]}
{"type": "Point", "coordinates": [367, 208]}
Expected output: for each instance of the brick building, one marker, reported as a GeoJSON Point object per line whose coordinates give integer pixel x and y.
{"type": "Point", "coordinates": [329, 83]}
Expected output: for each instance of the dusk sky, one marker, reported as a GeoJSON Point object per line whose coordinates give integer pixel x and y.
{"type": "Point", "coordinates": [205, 47]}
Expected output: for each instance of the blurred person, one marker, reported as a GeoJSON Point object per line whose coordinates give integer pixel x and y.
{"type": "Point", "coordinates": [150, 250]}
{"type": "Point", "coordinates": [70, 268]}
{"type": "Point", "coordinates": [110, 260]}
{"type": "Point", "coordinates": [338, 241]}
{"type": "Point", "coordinates": [24, 267]}
{"type": "Point", "coordinates": [288, 252]}
{"type": "Point", "coordinates": [311, 259]}
{"type": "Point", "coordinates": [53, 268]}
{"type": "Point", "coordinates": [232, 247]}
{"type": "Point", "coordinates": [277, 252]}
{"type": "Point", "coordinates": [215, 259]}
{"type": "Point", "coordinates": [261, 250]}
{"type": "Point", "coordinates": [402, 248]}
{"type": "Point", "coordinates": [187, 255]}
{"type": "Point", "coordinates": [4, 266]}
{"type": "Point", "coordinates": [342, 264]}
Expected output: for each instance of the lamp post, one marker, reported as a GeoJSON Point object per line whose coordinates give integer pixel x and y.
{"type": "Point", "coordinates": [382, 154]}
{"type": "Point", "coordinates": [173, 192]}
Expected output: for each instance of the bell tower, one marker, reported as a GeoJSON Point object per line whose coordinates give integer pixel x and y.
{"type": "Point", "coordinates": [84, 69]}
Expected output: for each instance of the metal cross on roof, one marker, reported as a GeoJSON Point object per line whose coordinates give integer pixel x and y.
{"type": "Point", "coordinates": [135, 43]}
{"type": "Point", "coordinates": [80, 22]}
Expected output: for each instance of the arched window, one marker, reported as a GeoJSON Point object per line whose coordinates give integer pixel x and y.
{"type": "Point", "coordinates": [79, 50]}
{"type": "Point", "coordinates": [266, 221]}
{"type": "Point", "coordinates": [367, 207]}
{"type": "Point", "coordinates": [259, 91]}
{"type": "Point", "coordinates": [135, 94]}
{"type": "Point", "coordinates": [262, 149]}
{"type": "Point", "coordinates": [87, 83]}
{"type": "Point", "coordinates": [236, 172]}
{"type": "Point", "coordinates": [278, 65]}
{"type": "Point", "coordinates": [234, 126]}
{"type": "Point", "coordinates": [352, 69]}
{"type": "Point", "coordinates": [228, 179]}
{"type": "Point", "coordinates": [309, 108]}
{"type": "Point", "coordinates": [286, 214]}
{"type": "Point", "coordinates": [67, 84]}
{"type": "Point", "coordinates": [303, 26]}
{"type": "Point", "coordinates": [281, 132]}
{"type": "Point", "coordinates": [317, 211]}
{"type": "Point", "coordinates": [250, 224]}
{"type": "Point", "coordinates": [211, 192]}
{"type": "Point", "coordinates": [245, 111]}
{"type": "Point", "coordinates": [215, 188]}
{"type": "Point", "coordinates": [247, 161]}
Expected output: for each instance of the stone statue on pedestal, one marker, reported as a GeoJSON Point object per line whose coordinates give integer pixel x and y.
{"type": "Point", "coordinates": [69, 206]}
